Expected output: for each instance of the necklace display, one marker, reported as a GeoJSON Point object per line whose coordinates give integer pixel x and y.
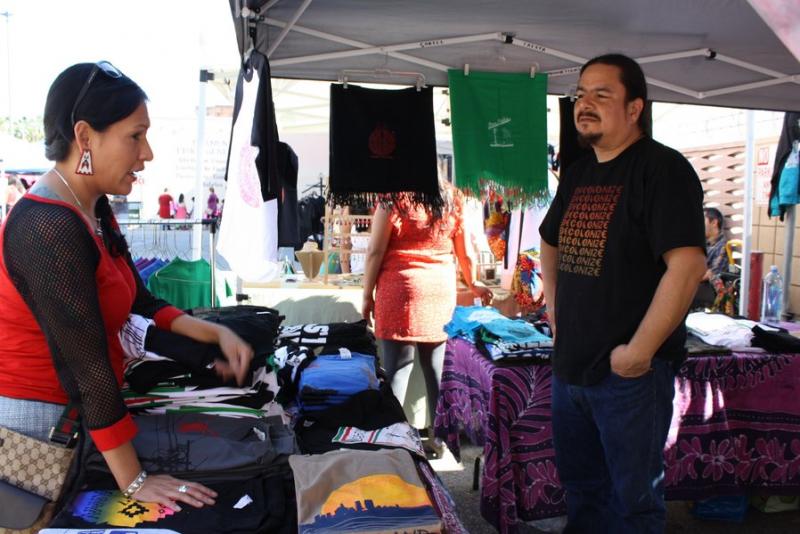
{"type": "Point", "coordinates": [98, 231]}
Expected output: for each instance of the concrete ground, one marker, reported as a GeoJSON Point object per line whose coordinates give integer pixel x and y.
{"type": "Point", "coordinates": [458, 479]}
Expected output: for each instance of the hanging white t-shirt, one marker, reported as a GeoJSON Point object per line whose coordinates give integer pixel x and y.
{"type": "Point", "coordinates": [248, 233]}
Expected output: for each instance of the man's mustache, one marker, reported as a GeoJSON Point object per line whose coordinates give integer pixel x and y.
{"type": "Point", "coordinates": [588, 114]}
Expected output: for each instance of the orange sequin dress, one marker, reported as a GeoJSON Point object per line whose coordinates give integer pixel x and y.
{"type": "Point", "coordinates": [415, 293]}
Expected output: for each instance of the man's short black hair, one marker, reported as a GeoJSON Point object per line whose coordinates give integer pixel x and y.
{"type": "Point", "coordinates": [631, 76]}
{"type": "Point", "coordinates": [713, 214]}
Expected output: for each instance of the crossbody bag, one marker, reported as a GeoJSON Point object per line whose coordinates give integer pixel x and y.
{"type": "Point", "coordinates": [34, 473]}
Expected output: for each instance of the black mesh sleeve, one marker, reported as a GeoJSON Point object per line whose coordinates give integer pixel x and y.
{"type": "Point", "coordinates": [51, 259]}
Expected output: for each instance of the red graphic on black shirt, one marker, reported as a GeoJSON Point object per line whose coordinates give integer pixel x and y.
{"type": "Point", "coordinates": [583, 232]}
{"type": "Point", "coordinates": [382, 142]}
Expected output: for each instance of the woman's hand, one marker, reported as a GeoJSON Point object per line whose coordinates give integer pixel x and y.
{"type": "Point", "coordinates": [368, 309]}
{"type": "Point", "coordinates": [483, 292]}
{"type": "Point", "coordinates": [239, 354]}
{"type": "Point", "coordinates": [168, 491]}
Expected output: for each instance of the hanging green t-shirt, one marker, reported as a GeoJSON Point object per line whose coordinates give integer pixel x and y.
{"type": "Point", "coordinates": [184, 284]}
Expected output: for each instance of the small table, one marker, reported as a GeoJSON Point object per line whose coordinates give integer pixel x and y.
{"type": "Point", "coordinates": [307, 302]}
{"type": "Point", "coordinates": [735, 428]}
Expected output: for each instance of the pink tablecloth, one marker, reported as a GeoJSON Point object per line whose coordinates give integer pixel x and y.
{"type": "Point", "coordinates": [736, 427]}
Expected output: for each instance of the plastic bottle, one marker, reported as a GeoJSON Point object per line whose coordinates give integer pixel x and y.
{"type": "Point", "coordinates": [772, 296]}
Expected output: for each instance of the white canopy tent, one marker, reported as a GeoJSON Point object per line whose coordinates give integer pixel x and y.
{"type": "Point", "coordinates": [712, 52]}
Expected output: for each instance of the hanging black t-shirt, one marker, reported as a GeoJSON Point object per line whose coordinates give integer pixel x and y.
{"type": "Point", "coordinates": [569, 150]}
{"type": "Point", "coordinates": [288, 219]}
{"type": "Point", "coordinates": [310, 211]}
{"type": "Point", "coordinates": [264, 132]}
{"type": "Point", "coordinates": [612, 222]}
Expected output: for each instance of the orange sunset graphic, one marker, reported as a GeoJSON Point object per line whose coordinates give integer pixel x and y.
{"type": "Point", "coordinates": [375, 503]}
{"type": "Point", "coordinates": [383, 490]}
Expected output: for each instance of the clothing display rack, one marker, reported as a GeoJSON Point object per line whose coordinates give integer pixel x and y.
{"type": "Point", "coordinates": [320, 185]}
{"type": "Point", "coordinates": [163, 230]}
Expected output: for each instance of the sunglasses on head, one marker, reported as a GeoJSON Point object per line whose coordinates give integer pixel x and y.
{"type": "Point", "coordinates": [101, 66]}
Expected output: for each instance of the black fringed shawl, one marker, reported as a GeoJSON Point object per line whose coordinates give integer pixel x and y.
{"type": "Point", "coordinates": [382, 146]}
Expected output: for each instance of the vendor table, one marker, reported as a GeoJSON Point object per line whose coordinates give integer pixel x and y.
{"type": "Point", "coordinates": [735, 428]}
{"type": "Point", "coordinates": [300, 300]}
{"type": "Point", "coordinates": [303, 301]}
{"type": "Point", "coordinates": [307, 302]}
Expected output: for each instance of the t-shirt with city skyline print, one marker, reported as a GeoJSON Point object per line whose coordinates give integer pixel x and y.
{"type": "Point", "coordinates": [612, 222]}
{"type": "Point", "coordinates": [375, 492]}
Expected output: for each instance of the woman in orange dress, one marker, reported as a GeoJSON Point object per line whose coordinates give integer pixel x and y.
{"type": "Point", "coordinates": [410, 268]}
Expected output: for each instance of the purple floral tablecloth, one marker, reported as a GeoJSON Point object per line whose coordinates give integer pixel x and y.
{"type": "Point", "coordinates": [735, 428]}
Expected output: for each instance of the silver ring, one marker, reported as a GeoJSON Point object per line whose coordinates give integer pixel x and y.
{"type": "Point", "coordinates": [183, 488]}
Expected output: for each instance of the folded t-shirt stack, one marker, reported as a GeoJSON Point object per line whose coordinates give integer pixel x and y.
{"type": "Point", "coordinates": [258, 325]}
{"type": "Point", "coordinates": [259, 504]}
{"type": "Point", "coordinates": [369, 410]}
{"type": "Point", "coordinates": [246, 461]}
{"type": "Point", "coordinates": [299, 346]}
{"type": "Point", "coordinates": [175, 395]}
{"type": "Point", "coordinates": [331, 379]}
{"type": "Point", "coordinates": [143, 342]}
{"type": "Point", "coordinates": [329, 337]}
{"type": "Point", "coordinates": [721, 330]}
{"type": "Point", "coordinates": [316, 383]}
{"type": "Point", "coordinates": [170, 372]}
{"type": "Point", "coordinates": [499, 350]}
{"type": "Point", "coordinates": [204, 448]}
{"type": "Point", "coordinates": [775, 340]}
{"type": "Point", "coordinates": [740, 335]}
{"type": "Point", "coordinates": [362, 491]}
{"type": "Point", "coordinates": [499, 338]}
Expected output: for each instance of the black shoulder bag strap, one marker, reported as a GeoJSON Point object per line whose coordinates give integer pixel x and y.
{"type": "Point", "coordinates": [67, 430]}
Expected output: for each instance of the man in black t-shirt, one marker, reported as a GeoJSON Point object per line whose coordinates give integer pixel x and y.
{"type": "Point", "coordinates": [622, 254]}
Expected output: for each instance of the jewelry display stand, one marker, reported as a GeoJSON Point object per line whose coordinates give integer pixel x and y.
{"type": "Point", "coordinates": [338, 225]}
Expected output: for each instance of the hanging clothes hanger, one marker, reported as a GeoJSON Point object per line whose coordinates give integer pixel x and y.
{"type": "Point", "coordinates": [163, 252]}
{"type": "Point", "coordinates": [345, 76]}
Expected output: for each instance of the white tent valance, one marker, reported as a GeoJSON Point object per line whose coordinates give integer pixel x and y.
{"type": "Point", "coordinates": [712, 52]}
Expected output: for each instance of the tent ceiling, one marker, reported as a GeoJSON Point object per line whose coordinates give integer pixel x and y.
{"type": "Point", "coordinates": [751, 67]}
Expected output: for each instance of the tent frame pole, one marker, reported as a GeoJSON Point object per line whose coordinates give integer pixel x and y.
{"type": "Point", "coordinates": [199, 162]}
{"type": "Point", "coordinates": [286, 29]}
{"type": "Point", "coordinates": [747, 223]}
{"type": "Point", "coordinates": [749, 66]}
{"type": "Point", "coordinates": [788, 256]}
{"type": "Point", "coordinates": [428, 43]}
{"type": "Point", "coordinates": [749, 86]}
{"type": "Point", "coordinates": [357, 44]}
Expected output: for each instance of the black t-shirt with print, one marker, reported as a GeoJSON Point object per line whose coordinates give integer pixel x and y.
{"type": "Point", "coordinates": [612, 222]}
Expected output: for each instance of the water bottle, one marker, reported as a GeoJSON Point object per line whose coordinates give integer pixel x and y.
{"type": "Point", "coordinates": [772, 296]}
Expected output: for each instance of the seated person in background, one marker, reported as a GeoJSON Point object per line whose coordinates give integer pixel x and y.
{"type": "Point", "coordinates": [716, 258]}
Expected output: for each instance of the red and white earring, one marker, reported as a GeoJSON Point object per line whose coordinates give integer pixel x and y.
{"type": "Point", "coordinates": [85, 164]}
